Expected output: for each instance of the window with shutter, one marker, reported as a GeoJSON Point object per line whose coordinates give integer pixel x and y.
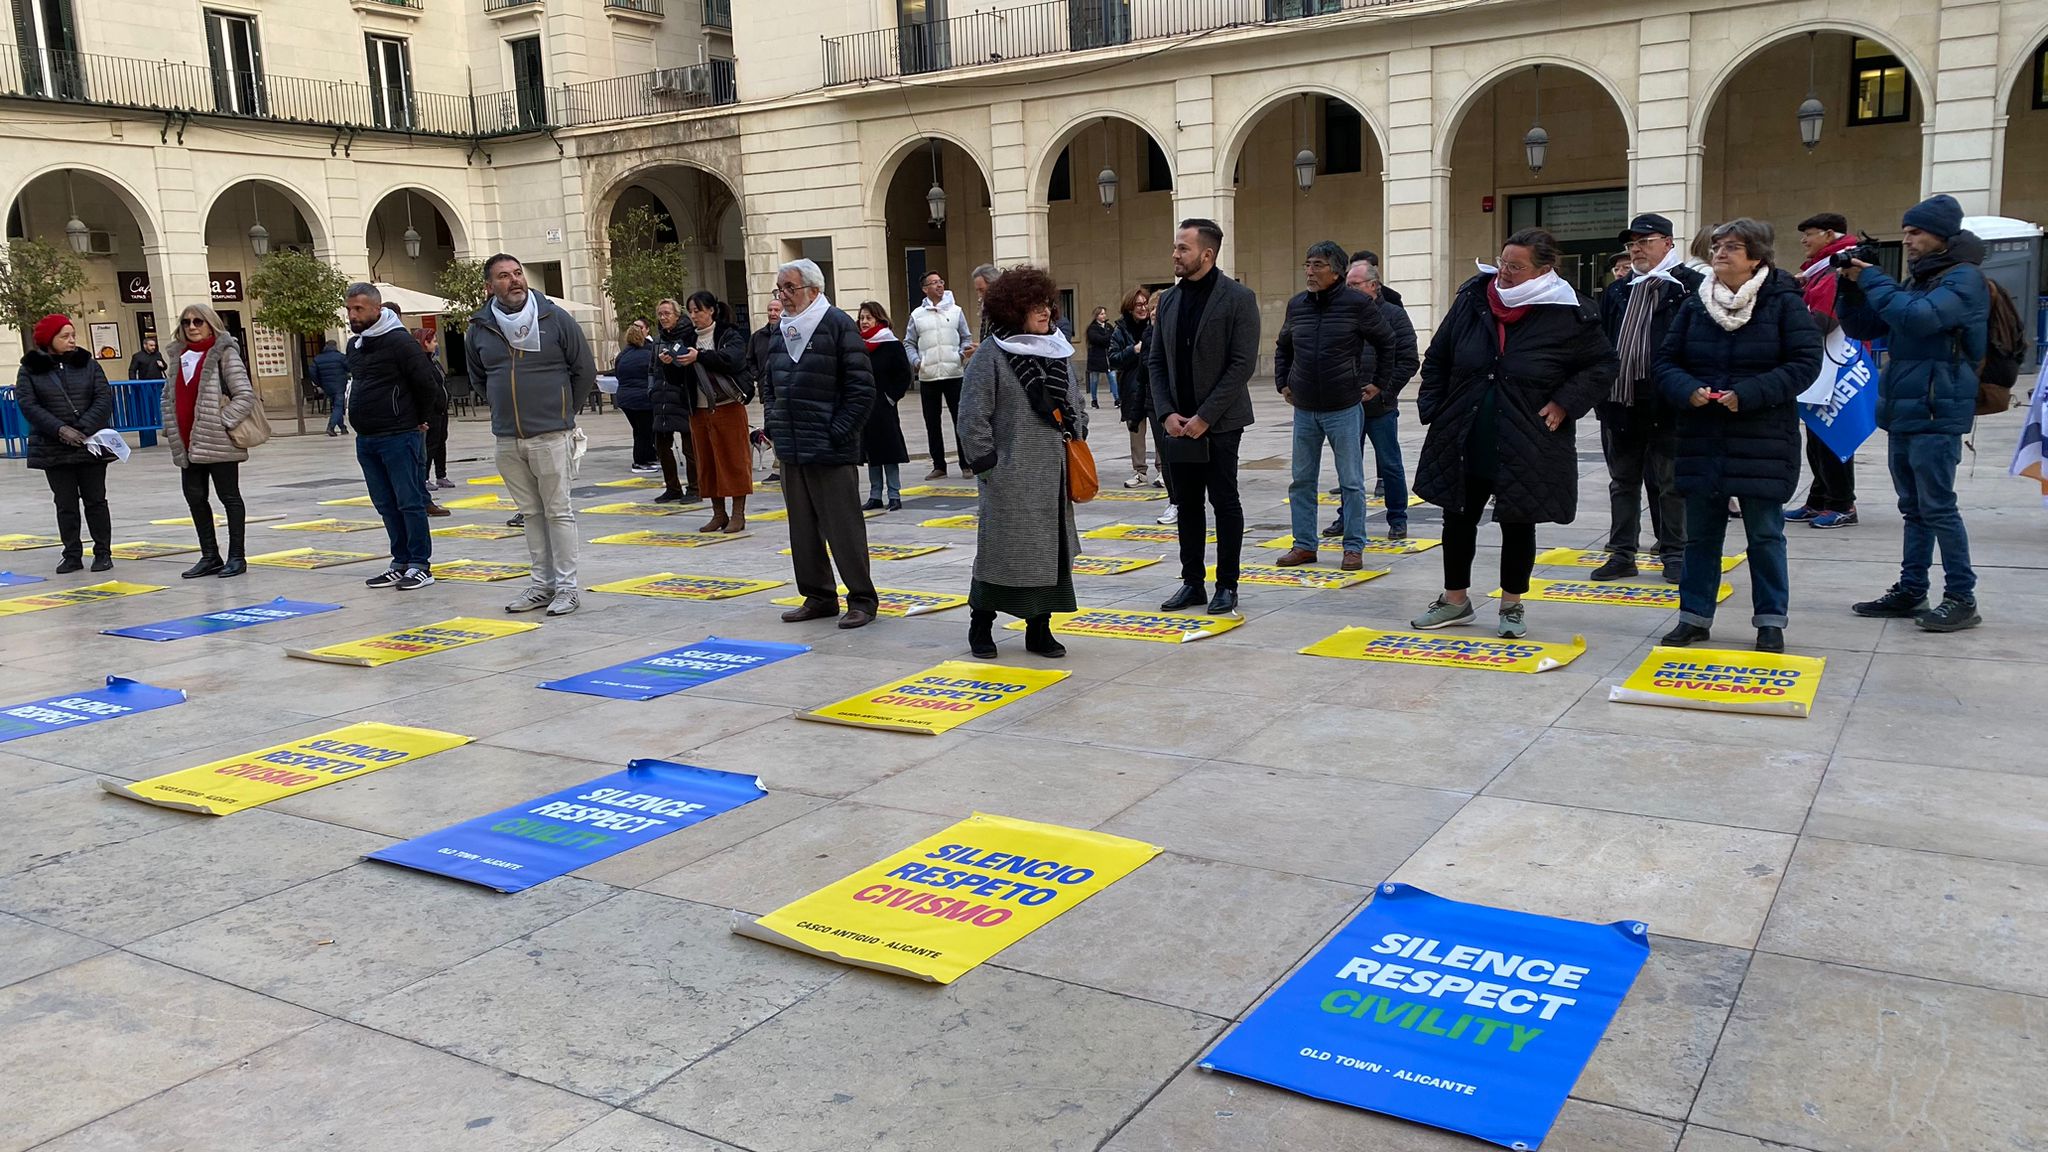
{"type": "Point", "coordinates": [529, 85]}
{"type": "Point", "coordinates": [236, 54]}
{"type": "Point", "coordinates": [391, 102]}
{"type": "Point", "coordinates": [46, 37]}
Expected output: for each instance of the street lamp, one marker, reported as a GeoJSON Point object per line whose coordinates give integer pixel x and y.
{"type": "Point", "coordinates": [412, 234]}
{"type": "Point", "coordinates": [1105, 183]}
{"type": "Point", "coordinates": [1536, 142]}
{"type": "Point", "coordinates": [936, 198]}
{"type": "Point", "coordinates": [1305, 168]}
{"type": "Point", "coordinates": [1811, 113]}
{"type": "Point", "coordinates": [75, 230]}
{"type": "Point", "coordinates": [259, 236]}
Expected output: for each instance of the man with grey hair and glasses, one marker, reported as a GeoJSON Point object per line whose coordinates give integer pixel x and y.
{"type": "Point", "coordinates": [815, 394]}
{"type": "Point", "coordinates": [389, 406]}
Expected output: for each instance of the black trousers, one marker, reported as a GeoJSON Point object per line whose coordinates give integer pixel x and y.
{"type": "Point", "coordinates": [227, 484]}
{"type": "Point", "coordinates": [71, 485]}
{"type": "Point", "coordinates": [642, 421]}
{"type": "Point", "coordinates": [1461, 542]}
{"type": "Point", "coordinates": [935, 395]}
{"type": "Point", "coordinates": [1215, 478]}
{"type": "Point", "coordinates": [1834, 479]}
{"type": "Point", "coordinates": [1642, 457]}
{"type": "Point", "coordinates": [437, 446]}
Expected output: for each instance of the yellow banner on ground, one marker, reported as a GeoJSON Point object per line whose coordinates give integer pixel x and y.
{"type": "Point", "coordinates": [897, 601]}
{"type": "Point", "coordinates": [486, 481]}
{"type": "Point", "coordinates": [491, 503]}
{"type": "Point", "coordinates": [228, 786]}
{"type": "Point", "coordinates": [306, 559]}
{"type": "Point", "coordinates": [950, 901]}
{"type": "Point", "coordinates": [670, 586]}
{"type": "Point", "coordinates": [629, 508]}
{"type": "Point", "coordinates": [938, 699]}
{"type": "Point", "coordinates": [1336, 500]}
{"type": "Point", "coordinates": [777, 515]}
{"type": "Point", "coordinates": [1718, 680]}
{"type": "Point", "coordinates": [22, 542]}
{"type": "Point", "coordinates": [629, 482]}
{"type": "Point", "coordinates": [648, 538]}
{"type": "Point", "coordinates": [391, 647]}
{"type": "Point", "coordinates": [1610, 592]}
{"type": "Point", "coordinates": [1112, 565]}
{"type": "Point", "coordinates": [1130, 495]}
{"type": "Point", "coordinates": [1118, 624]}
{"type": "Point", "coordinates": [1306, 576]}
{"type": "Point", "coordinates": [88, 594]}
{"type": "Point", "coordinates": [967, 490]}
{"type": "Point", "coordinates": [1575, 558]}
{"type": "Point", "coordinates": [349, 502]}
{"type": "Point", "coordinates": [479, 571]}
{"type": "Point", "coordinates": [330, 524]}
{"type": "Point", "coordinates": [1442, 650]}
{"type": "Point", "coordinates": [1374, 546]}
{"type": "Point", "coordinates": [478, 532]}
{"type": "Point", "coordinates": [145, 550]}
{"type": "Point", "coordinates": [892, 551]}
{"type": "Point", "coordinates": [1149, 533]}
{"type": "Point", "coordinates": [968, 520]}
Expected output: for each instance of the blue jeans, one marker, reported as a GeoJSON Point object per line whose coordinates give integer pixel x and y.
{"type": "Point", "coordinates": [337, 408]}
{"type": "Point", "coordinates": [1384, 431]}
{"type": "Point", "coordinates": [1924, 472]}
{"type": "Point", "coordinates": [1770, 584]}
{"type": "Point", "coordinates": [394, 467]}
{"type": "Point", "coordinates": [889, 474]}
{"type": "Point", "coordinates": [1341, 429]}
{"type": "Point", "coordinates": [1095, 380]}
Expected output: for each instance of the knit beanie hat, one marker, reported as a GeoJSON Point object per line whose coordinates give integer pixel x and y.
{"type": "Point", "coordinates": [48, 327]}
{"type": "Point", "coordinates": [1938, 214]}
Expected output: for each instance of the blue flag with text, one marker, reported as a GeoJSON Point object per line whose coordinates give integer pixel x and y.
{"type": "Point", "coordinates": [120, 697]}
{"type": "Point", "coordinates": [712, 658]}
{"type": "Point", "coordinates": [227, 620]}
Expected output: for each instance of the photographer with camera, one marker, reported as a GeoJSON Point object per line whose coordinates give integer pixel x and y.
{"type": "Point", "coordinates": [1831, 498]}
{"type": "Point", "coordinates": [1935, 328]}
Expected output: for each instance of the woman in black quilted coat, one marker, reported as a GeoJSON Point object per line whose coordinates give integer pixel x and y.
{"type": "Point", "coordinates": [1519, 358]}
{"type": "Point", "coordinates": [65, 398]}
{"type": "Point", "coordinates": [1737, 356]}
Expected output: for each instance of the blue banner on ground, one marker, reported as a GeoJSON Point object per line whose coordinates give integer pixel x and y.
{"type": "Point", "coordinates": [10, 579]}
{"type": "Point", "coordinates": [713, 658]}
{"type": "Point", "coordinates": [121, 697]}
{"type": "Point", "coordinates": [1458, 1016]}
{"type": "Point", "coordinates": [227, 621]}
{"type": "Point", "coordinates": [1846, 415]}
{"type": "Point", "coordinates": [531, 843]}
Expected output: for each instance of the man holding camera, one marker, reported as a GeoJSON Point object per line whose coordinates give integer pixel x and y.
{"type": "Point", "coordinates": [1831, 498]}
{"type": "Point", "coordinates": [1934, 325]}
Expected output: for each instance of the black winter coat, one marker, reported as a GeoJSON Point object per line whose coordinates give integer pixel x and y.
{"type": "Point", "coordinates": [56, 393]}
{"type": "Point", "coordinates": [675, 386]}
{"type": "Point", "coordinates": [1754, 450]}
{"type": "Point", "coordinates": [1098, 346]}
{"type": "Point", "coordinates": [1556, 353]}
{"type": "Point", "coordinates": [1613, 306]}
{"type": "Point", "coordinates": [815, 407]}
{"type": "Point", "coordinates": [1406, 358]}
{"type": "Point", "coordinates": [634, 370]}
{"type": "Point", "coordinates": [330, 371]}
{"type": "Point", "coordinates": [1134, 392]}
{"type": "Point", "coordinates": [881, 438]}
{"type": "Point", "coordinates": [147, 366]}
{"type": "Point", "coordinates": [396, 386]}
{"type": "Point", "coordinates": [1333, 344]}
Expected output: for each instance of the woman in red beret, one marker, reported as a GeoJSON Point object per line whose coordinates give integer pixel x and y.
{"type": "Point", "coordinates": [65, 398]}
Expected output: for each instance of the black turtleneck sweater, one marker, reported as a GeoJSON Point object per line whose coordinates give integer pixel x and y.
{"type": "Point", "coordinates": [1190, 298]}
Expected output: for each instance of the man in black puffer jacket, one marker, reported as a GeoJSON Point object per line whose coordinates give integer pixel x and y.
{"type": "Point", "coordinates": [1334, 347]}
{"type": "Point", "coordinates": [816, 393]}
{"type": "Point", "coordinates": [389, 405]}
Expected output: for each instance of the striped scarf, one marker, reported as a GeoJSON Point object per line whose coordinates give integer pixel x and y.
{"type": "Point", "coordinates": [1633, 344]}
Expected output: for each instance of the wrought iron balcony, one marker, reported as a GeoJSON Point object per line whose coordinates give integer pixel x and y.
{"type": "Point", "coordinates": [504, 5]}
{"type": "Point", "coordinates": [415, 5]}
{"type": "Point", "coordinates": [642, 7]}
{"type": "Point", "coordinates": [664, 90]}
{"type": "Point", "coordinates": [1051, 29]}
{"type": "Point", "coordinates": [718, 14]}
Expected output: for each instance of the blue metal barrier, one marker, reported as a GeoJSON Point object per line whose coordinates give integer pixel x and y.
{"type": "Point", "coordinates": [138, 408]}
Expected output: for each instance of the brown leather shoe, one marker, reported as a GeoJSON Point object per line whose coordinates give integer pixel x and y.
{"type": "Point", "coordinates": [856, 618]}
{"type": "Point", "coordinates": [809, 612]}
{"type": "Point", "coordinates": [1353, 561]}
{"type": "Point", "coordinates": [736, 524]}
{"type": "Point", "coordinates": [1296, 557]}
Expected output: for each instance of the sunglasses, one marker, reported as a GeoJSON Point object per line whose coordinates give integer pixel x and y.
{"type": "Point", "coordinates": [193, 322]}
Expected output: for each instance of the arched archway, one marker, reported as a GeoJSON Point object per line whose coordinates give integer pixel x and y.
{"type": "Point", "coordinates": [701, 213]}
{"type": "Point", "coordinates": [1866, 164]}
{"type": "Point", "coordinates": [1580, 191]}
{"type": "Point", "coordinates": [2023, 183]}
{"type": "Point", "coordinates": [1107, 185]}
{"type": "Point", "coordinates": [917, 241]}
{"type": "Point", "coordinates": [123, 271]}
{"type": "Point", "coordinates": [246, 221]}
{"type": "Point", "coordinates": [406, 218]}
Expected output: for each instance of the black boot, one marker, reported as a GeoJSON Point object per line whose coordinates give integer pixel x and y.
{"type": "Point", "coordinates": [209, 564]}
{"type": "Point", "coordinates": [981, 640]}
{"type": "Point", "coordinates": [234, 567]}
{"type": "Point", "coordinates": [1683, 635]}
{"type": "Point", "coordinates": [70, 563]}
{"type": "Point", "coordinates": [1038, 638]}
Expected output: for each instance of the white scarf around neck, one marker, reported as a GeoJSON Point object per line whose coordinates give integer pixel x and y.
{"type": "Point", "coordinates": [1053, 345]}
{"type": "Point", "coordinates": [1731, 309]}
{"type": "Point", "coordinates": [1549, 288]}
{"type": "Point", "coordinates": [522, 330]}
{"type": "Point", "coordinates": [387, 322]}
{"type": "Point", "coordinates": [798, 329]}
{"type": "Point", "coordinates": [1662, 271]}
{"type": "Point", "coordinates": [945, 301]}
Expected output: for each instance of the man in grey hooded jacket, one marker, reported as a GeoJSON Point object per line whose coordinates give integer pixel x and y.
{"type": "Point", "coordinates": [530, 360]}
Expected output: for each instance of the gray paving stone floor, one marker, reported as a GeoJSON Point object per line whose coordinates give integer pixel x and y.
{"type": "Point", "coordinates": [1849, 911]}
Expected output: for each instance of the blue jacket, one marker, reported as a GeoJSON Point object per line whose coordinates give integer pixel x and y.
{"type": "Point", "coordinates": [330, 371]}
{"type": "Point", "coordinates": [633, 368]}
{"type": "Point", "coordinates": [1934, 332]}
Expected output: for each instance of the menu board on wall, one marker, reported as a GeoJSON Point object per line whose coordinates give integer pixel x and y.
{"type": "Point", "coordinates": [271, 352]}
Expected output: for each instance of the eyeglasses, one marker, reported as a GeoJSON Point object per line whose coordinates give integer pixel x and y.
{"type": "Point", "coordinates": [1315, 265]}
{"type": "Point", "coordinates": [1730, 246]}
{"type": "Point", "coordinates": [787, 289]}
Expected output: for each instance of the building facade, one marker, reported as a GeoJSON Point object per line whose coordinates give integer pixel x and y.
{"type": "Point", "coordinates": [888, 137]}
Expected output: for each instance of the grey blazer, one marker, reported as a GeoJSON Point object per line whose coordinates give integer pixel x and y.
{"type": "Point", "coordinates": [1226, 350]}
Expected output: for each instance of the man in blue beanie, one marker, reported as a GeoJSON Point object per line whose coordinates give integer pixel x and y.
{"type": "Point", "coordinates": [1934, 326]}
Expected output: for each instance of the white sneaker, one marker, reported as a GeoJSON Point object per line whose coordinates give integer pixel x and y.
{"type": "Point", "coordinates": [646, 469]}
{"type": "Point", "coordinates": [564, 603]}
{"type": "Point", "coordinates": [1170, 516]}
{"type": "Point", "coordinates": [533, 599]}
{"type": "Point", "coordinates": [1136, 480]}
{"type": "Point", "coordinates": [1159, 480]}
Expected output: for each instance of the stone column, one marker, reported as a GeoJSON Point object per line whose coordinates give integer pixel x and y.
{"type": "Point", "coordinates": [1198, 189]}
{"type": "Point", "coordinates": [1020, 233]}
{"type": "Point", "coordinates": [1957, 150]}
{"type": "Point", "coordinates": [1661, 176]}
{"type": "Point", "coordinates": [1417, 191]}
{"type": "Point", "coordinates": [348, 219]}
{"type": "Point", "coordinates": [177, 260]}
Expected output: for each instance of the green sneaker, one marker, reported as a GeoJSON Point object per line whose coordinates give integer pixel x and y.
{"type": "Point", "coordinates": [1442, 614]}
{"type": "Point", "coordinates": [1511, 625]}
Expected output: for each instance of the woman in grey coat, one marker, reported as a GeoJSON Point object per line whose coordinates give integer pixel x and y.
{"type": "Point", "coordinates": [1015, 419]}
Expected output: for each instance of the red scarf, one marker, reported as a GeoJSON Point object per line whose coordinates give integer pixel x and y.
{"type": "Point", "coordinates": [188, 388]}
{"type": "Point", "coordinates": [868, 333]}
{"type": "Point", "coordinates": [1502, 314]}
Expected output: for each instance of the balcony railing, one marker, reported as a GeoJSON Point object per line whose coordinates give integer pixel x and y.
{"type": "Point", "coordinates": [718, 14]}
{"type": "Point", "coordinates": [1050, 29]}
{"type": "Point", "coordinates": [682, 89]}
{"type": "Point", "coordinates": [502, 5]}
{"type": "Point", "coordinates": [643, 7]}
{"type": "Point", "coordinates": [415, 5]}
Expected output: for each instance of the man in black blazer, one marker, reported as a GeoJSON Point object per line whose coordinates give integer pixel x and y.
{"type": "Point", "coordinates": [1200, 369]}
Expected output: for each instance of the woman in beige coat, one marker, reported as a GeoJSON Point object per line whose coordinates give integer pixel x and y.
{"type": "Point", "coordinates": [208, 393]}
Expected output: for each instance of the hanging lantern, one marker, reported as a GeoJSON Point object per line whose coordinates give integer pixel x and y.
{"type": "Point", "coordinates": [1536, 142]}
{"type": "Point", "coordinates": [259, 236]}
{"type": "Point", "coordinates": [75, 231]}
{"type": "Point", "coordinates": [936, 200]}
{"type": "Point", "coordinates": [1305, 168]}
{"type": "Point", "coordinates": [1811, 113]}
{"type": "Point", "coordinates": [412, 234]}
{"type": "Point", "coordinates": [1105, 183]}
